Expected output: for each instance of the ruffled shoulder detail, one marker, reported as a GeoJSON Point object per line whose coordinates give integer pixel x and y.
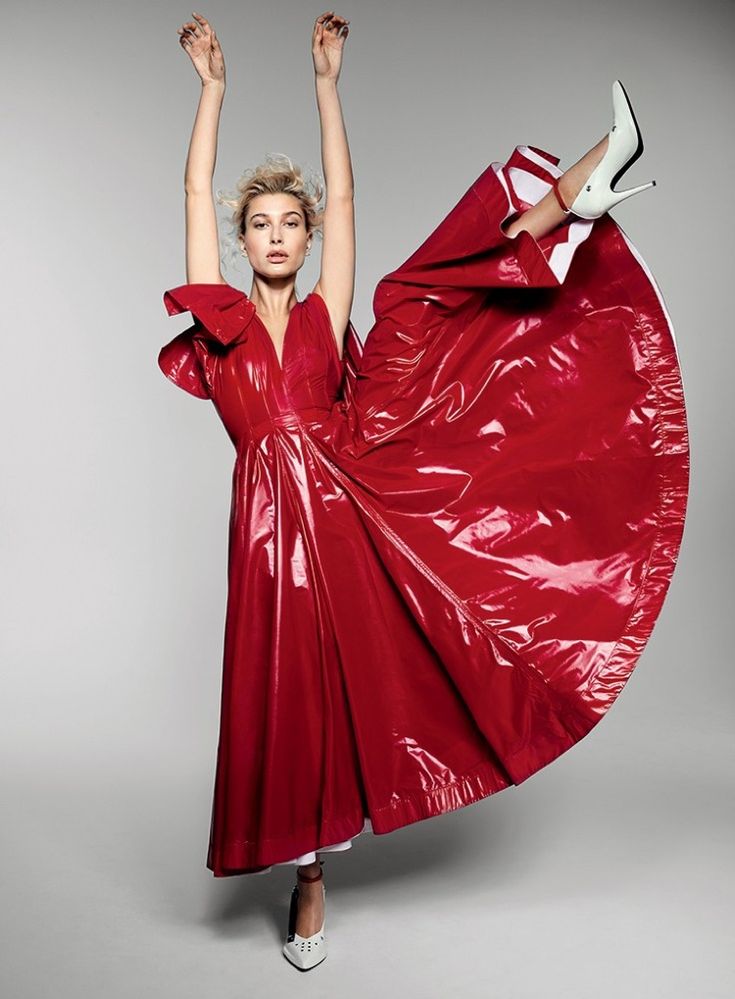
{"type": "Point", "coordinates": [223, 313]}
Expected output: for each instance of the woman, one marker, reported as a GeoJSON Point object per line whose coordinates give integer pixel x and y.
{"type": "Point", "coordinates": [448, 547]}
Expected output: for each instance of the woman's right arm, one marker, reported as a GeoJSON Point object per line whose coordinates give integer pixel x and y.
{"type": "Point", "coordinates": [202, 243]}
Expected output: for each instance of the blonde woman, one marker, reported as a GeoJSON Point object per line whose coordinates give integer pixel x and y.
{"type": "Point", "coordinates": [449, 544]}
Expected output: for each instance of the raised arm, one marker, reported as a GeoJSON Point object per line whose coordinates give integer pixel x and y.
{"type": "Point", "coordinates": [336, 283]}
{"type": "Point", "coordinates": [199, 41]}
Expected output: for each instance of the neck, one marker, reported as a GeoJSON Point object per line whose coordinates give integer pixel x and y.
{"type": "Point", "coordinates": [273, 298]}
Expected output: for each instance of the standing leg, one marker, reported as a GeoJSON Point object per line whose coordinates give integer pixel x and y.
{"type": "Point", "coordinates": [546, 215]}
{"type": "Point", "coordinates": [311, 902]}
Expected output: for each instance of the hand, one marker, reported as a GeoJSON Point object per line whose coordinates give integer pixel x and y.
{"type": "Point", "coordinates": [327, 42]}
{"type": "Point", "coordinates": [202, 46]}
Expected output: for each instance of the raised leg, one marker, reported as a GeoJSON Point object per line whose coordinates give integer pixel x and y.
{"type": "Point", "coordinates": [546, 215]}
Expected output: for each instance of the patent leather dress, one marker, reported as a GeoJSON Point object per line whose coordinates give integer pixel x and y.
{"type": "Point", "coordinates": [449, 544]}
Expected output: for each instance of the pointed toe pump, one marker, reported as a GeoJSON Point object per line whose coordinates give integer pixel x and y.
{"type": "Point", "coordinates": [305, 952]}
{"type": "Point", "coordinates": [625, 145]}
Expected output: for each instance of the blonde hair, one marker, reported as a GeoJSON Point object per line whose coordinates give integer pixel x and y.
{"type": "Point", "coordinates": [276, 175]}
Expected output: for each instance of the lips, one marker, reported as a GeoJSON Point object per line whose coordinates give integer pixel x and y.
{"type": "Point", "coordinates": [277, 256]}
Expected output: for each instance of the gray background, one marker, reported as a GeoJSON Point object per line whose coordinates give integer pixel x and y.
{"type": "Point", "coordinates": [609, 873]}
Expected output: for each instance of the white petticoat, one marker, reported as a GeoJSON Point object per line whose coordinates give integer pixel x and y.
{"type": "Point", "coordinates": [309, 858]}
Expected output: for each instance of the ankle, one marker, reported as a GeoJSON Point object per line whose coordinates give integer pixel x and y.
{"type": "Point", "coordinates": [573, 179]}
{"type": "Point", "coordinates": [307, 873]}
{"type": "Point", "coordinates": [568, 186]}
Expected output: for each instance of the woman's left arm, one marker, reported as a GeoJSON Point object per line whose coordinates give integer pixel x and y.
{"type": "Point", "coordinates": [336, 282]}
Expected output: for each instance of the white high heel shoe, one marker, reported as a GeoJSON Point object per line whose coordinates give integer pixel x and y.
{"type": "Point", "coordinates": [305, 952]}
{"type": "Point", "coordinates": [624, 147]}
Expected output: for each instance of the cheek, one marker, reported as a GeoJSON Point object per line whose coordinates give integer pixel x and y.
{"type": "Point", "coordinates": [255, 240]}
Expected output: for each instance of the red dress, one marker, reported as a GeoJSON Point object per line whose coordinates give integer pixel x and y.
{"type": "Point", "coordinates": [448, 547]}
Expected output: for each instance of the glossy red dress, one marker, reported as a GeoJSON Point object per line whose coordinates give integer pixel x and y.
{"type": "Point", "coordinates": [447, 548]}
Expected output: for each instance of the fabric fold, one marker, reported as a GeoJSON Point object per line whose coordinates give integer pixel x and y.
{"type": "Point", "coordinates": [469, 250]}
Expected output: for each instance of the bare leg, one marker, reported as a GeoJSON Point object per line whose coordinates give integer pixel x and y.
{"type": "Point", "coordinates": [311, 902]}
{"type": "Point", "coordinates": [546, 215]}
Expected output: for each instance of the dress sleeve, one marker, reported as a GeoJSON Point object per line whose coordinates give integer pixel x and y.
{"type": "Point", "coordinates": [222, 315]}
{"type": "Point", "coordinates": [469, 251]}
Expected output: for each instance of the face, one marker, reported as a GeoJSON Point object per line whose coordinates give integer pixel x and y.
{"type": "Point", "coordinates": [275, 224]}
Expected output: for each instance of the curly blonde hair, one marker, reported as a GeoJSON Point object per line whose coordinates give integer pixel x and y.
{"type": "Point", "coordinates": [276, 175]}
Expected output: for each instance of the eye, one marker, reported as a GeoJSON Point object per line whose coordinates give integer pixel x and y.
{"type": "Point", "coordinates": [259, 224]}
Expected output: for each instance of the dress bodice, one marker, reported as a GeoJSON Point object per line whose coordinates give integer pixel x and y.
{"type": "Point", "coordinates": [228, 356]}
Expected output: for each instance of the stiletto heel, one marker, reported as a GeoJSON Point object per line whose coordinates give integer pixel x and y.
{"type": "Point", "coordinates": [305, 952]}
{"type": "Point", "coordinates": [625, 145]}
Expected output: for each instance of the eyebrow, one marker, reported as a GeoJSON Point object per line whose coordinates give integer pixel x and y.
{"type": "Point", "coordinates": [283, 214]}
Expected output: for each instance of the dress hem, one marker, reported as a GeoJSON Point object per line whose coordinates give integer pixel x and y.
{"type": "Point", "coordinates": [475, 785]}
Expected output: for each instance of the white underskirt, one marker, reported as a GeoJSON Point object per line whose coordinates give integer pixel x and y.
{"type": "Point", "coordinates": [310, 858]}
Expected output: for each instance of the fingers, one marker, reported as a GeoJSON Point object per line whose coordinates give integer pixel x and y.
{"type": "Point", "coordinates": [192, 30]}
{"type": "Point", "coordinates": [207, 29]}
{"type": "Point", "coordinates": [188, 34]}
{"type": "Point", "coordinates": [333, 23]}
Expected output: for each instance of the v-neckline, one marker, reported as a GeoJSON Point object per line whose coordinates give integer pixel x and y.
{"type": "Point", "coordinates": [269, 338]}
